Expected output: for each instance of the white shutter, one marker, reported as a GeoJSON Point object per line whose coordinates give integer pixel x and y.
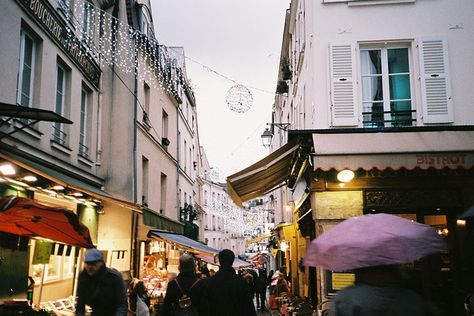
{"type": "Point", "coordinates": [435, 85]}
{"type": "Point", "coordinates": [343, 99]}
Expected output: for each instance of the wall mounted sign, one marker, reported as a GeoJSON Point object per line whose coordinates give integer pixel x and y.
{"type": "Point", "coordinates": [46, 16]}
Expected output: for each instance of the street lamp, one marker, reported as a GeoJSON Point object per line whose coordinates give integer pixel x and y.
{"type": "Point", "coordinates": [267, 135]}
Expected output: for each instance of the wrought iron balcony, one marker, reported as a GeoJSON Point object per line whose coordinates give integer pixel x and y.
{"type": "Point", "coordinates": [381, 119]}
{"type": "Point", "coordinates": [83, 150]}
{"type": "Point", "coordinates": [58, 135]}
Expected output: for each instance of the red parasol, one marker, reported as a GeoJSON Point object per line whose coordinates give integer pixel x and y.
{"type": "Point", "coordinates": [22, 216]}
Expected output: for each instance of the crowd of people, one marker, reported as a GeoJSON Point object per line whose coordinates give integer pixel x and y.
{"type": "Point", "coordinates": [192, 292]}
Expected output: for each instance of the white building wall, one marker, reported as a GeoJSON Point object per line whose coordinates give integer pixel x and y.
{"type": "Point", "coordinates": [408, 22]}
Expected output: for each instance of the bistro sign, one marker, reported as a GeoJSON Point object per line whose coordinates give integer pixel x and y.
{"type": "Point", "coordinates": [48, 18]}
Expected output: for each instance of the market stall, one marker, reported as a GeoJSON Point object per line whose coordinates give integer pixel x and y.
{"type": "Point", "coordinates": [161, 260]}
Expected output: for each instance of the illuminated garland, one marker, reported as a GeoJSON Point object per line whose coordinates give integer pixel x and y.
{"type": "Point", "coordinates": [110, 42]}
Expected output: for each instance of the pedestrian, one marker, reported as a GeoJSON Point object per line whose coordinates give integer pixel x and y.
{"type": "Point", "coordinates": [261, 288]}
{"type": "Point", "coordinates": [270, 277]}
{"type": "Point", "coordinates": [248, 277]}
{"type": "Point", "coordinates": [379, 291]}
{"type": "Point", "coordinates": [186, 294]}
{"type": "Point", "coordinates": [140, 300]}
{"type": "Point", "coordinates": [282, 287]}
{"type": "Point", "coordinates": [100, 287]}
{"type": "Point", "coordinates": [228, 292]}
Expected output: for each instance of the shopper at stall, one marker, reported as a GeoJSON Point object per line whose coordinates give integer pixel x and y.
{"type": "Point", "coordinates": [228, 293]}
{"type": "Point", "coordinates": [139, 300]}
{"type": "Point", "coordinates": [186, 293]}
{"type": "Point", "coordinates": [101, 288]}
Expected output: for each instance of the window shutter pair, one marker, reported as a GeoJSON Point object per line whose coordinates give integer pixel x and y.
{"type": "Point", "coordinates": [436, 91]}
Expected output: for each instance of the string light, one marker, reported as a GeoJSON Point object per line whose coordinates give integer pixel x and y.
{"type": "Point", "coordinates": [110, 42]}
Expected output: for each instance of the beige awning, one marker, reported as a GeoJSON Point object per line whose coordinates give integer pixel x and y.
{"type": "Point", "coordinates": [257, 239]}
{"type": "Point", "coordinates": [396, 150]}
{"type": "Point", "coordinates": [263, 176]}
{"type": "Point", "coordinates": [410, 161]}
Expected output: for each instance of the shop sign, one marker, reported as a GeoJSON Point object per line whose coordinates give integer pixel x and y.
{"type": "Point", "coordinates": [443, 160]}
{"type": "Point", "coordinates": [42, 252]}
{"type": "Point", "coordinates": [47, 17]}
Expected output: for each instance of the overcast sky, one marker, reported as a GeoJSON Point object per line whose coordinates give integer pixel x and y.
{"type": "Point", "coordinates": [240, 39]}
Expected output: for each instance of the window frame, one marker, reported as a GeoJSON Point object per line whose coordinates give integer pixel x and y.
{"type": "Point", "coordinates": [84, 114]}
{"type": "Point", "coordinates": [23, 34]}
{"type": "Point", "coordinates": [385, 75]}
{"type": "Point", "coordinates": [59, 136]}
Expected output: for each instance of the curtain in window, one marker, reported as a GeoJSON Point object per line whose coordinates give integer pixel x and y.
{"type": "Point", "coordinates": [400, 99]}
{"type": "Point", "coordinates": [372, 88]}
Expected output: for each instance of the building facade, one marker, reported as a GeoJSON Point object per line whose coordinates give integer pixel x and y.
{"type": "Point", "coordinates": [386, 103]}
{"type": "Point", "coordinates": [126, 164]}
{"type": "Point", "coordinates": [222, 219]}
{"type": "Point", "coordinates": [390, 102]}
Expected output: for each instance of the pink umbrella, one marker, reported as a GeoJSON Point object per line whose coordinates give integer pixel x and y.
{"type": "Point", "coordinates": [373, 240]}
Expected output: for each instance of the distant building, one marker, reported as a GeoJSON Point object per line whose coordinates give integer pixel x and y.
{"type": "Point", "coordinates": [222, 219]}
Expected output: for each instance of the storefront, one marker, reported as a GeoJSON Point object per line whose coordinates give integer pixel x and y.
{"type": "Point", "coordinates": [108, 220]}
{"type": "Point", "coordinates": [421, 173]}
{"type": "Point", "coordinates": [160, 252]}
{"type": "Point", "coordinates": [429, 179]}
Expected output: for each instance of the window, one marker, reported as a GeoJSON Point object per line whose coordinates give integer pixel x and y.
{"type": "Point", "coordinates": [68, 265]}
{"type": "Point", "coordinates": [146, 110]}
{"type": "Point", "coordinates": [386, 88]}
{"type": "Point", "coordinates": [144, 181]}
{"type": "Point", "coordinates": [163, 193]}
{"type": "Point", "coordinates": [164, 127]}
{"type": "Point", "coordinates": [185, 156]}
{"type": "Point", "coordinates": [64, 6]}
{"type": "Point", "coordinates": [86, 23]}
{"type": "Point", "coordinates": [26, 71]}
{"type": "Point", "coordinates": [59, 136]}
{"type": "Point", "coordinates": [84, 123]}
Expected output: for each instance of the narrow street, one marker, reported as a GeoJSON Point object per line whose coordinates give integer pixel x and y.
{"type": "Point", "coordinates": [175, 155]}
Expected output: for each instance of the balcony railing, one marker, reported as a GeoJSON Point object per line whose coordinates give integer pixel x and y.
{"type": "Point", "coordinates": [59, 136]}
{"type": "Point", "coordinates": [83, 150]}
{"type": "Point", "coordinates": [389, 119]}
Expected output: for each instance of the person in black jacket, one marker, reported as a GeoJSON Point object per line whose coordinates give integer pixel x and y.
{"type": "Point", "coordinates": [261, 288]}
{"type": "Point", "coordinates": [229, 294]}
{"type": "Point", "coordinates": [190, 284]}
{"type": "Point", "coordinates": [101, 288]}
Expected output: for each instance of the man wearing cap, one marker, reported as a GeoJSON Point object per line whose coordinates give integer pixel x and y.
{"type": "Point", "coordinates": [100, 287]}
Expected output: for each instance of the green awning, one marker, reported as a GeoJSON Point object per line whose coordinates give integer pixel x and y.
{"type": "Point", "coordinates": [161, 222]}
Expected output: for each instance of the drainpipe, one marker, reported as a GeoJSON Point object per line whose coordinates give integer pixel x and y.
{"type": "Point", "coordinates": [98, 157]}
{"type": "Point", "coordinates": [134, 262]}
{"type": "Point", "coordinates": [177, 162]}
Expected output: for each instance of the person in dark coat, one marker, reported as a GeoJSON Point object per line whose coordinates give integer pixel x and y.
{"type": "Point", "coordinates": [228, 293]}
{"type": "Point", "coordinates": [101, 288]}
{"type": "Point", "coordinates": [190, 284]}
{"type": "Point", "coordinates": [139, 291]}
{"type": "Point", "coordinates": [261, 288]}
{"type": "Point", "coordinates": [380, 291]}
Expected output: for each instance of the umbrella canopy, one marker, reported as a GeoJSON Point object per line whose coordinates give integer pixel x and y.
{"type": "Point", "coordinates": [373, 240]}
{"type": "Point", "coordinates": [22, 216]}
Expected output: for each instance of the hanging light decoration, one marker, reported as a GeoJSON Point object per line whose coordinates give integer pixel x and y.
{"type": "Point", "coordinates": [239, 99]}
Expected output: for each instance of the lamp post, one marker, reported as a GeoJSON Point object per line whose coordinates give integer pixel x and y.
{"type": "Point", "coordinates": [267, 135]}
